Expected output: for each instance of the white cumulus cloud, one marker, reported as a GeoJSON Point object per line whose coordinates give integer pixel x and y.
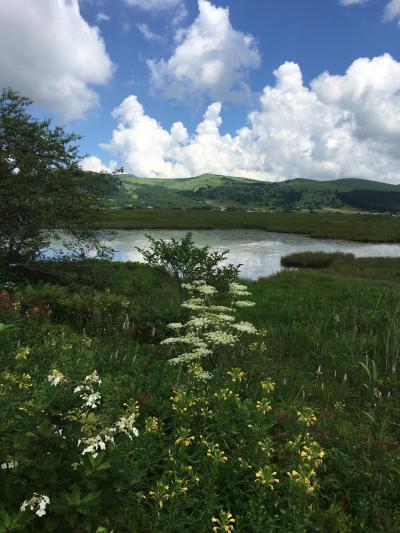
{"type": "Point", "coordinates": [94, 164]}
{"type": "Point", "coordinates": [211, 58]}
{"type": "Point", "coordinates": [339, 126]}
{"type": "Point", "coordinates": [392, 10]}
{"type": "Point", "coordinates": [51, 54]}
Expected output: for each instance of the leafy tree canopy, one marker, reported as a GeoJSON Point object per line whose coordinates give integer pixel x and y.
{"type": "Point", "coordinates": [42, 187]}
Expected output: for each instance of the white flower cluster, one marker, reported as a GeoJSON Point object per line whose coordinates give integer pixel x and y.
{"type": "Point", "coordinates": [124, 425]}
{"type": "Point", "coordinates": [210, 326]}
{"type": "Point", "coordinates": [98, 443]}
{"type": "Point", "coordinates": [37, 504]}
{"type": "Point", "coordinates": [56, 377]}
{"type": "Point", "coordinates": [9, 465]}
{"type": "Point", "coordinates": [86, 390]}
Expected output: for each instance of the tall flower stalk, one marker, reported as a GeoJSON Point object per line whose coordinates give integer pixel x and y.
{"type": "Point", "coordinates": [210, 327]}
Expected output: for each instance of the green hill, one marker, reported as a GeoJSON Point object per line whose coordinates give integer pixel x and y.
{"type": "Point", "coordinates": [211, 191]}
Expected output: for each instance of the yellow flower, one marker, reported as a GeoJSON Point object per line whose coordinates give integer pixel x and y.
{"type": "Point", "coordinates": [22, 353]}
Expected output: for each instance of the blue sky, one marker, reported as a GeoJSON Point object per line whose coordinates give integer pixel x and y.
{"type": "Point", "coordinates": [141, 57]}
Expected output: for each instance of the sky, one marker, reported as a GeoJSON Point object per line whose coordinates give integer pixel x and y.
{"type": "Point", "coordinates": [264, 89]}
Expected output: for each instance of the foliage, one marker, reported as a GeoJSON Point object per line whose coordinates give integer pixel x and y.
{"type": "Point", "coordinates": [41, 186]}
{"type": "Point", "coordinates": [295, 431]}
{"type": "Point", "coordinates": [188, 262]}
{"type": "Point", "coordinates": [211, 328]}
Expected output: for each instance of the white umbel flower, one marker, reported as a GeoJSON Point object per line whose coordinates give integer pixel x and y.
{"type": "Point", "coordinates": [56, 377]}
{"type": "Point", "coordinates": [37, 504]}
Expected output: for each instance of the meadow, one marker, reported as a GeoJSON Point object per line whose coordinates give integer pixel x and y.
{"type": "Point", "coordinates": [352, 227]}
{"type": "Point", "coordinates": [294, 429]}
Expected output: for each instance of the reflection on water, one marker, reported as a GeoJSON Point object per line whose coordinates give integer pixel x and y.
{"type": "Point", "coordinates": [258, 251]}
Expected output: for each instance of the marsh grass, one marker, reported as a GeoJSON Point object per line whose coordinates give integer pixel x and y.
{"type": "Point", "coordinates": [353, 227]}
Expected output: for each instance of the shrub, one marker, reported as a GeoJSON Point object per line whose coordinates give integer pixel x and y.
{"type": "Point", "coordinates": [188, 262]}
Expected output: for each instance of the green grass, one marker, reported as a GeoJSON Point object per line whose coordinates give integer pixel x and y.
{"type": "Point", "coordinates": [365, 228]}
{"type": "Point", "coordinates": [332, 343]}
{"type": "Point", "coordinates": [382, 269]}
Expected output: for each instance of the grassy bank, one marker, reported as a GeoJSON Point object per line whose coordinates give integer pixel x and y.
{"type": "Point", "coordinates": [383, 269]}
{"type": "Point", "coordinates": [366, 228]}
{"type": "Point", "coordinates": [330, 343]}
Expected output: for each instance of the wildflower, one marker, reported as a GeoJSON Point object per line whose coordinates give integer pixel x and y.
{"type": "Point", "coordinates": [244, 303]}
{"type": "Point", "coordinates": [98, 443]}
{"type": "Point", "coordinates": [224, 522]}
{"type": "Point", "coordinates": [308, 417]}
{"type": "Point", "coordinates": [377, 393]}
{"type": "Point", "coordinates": [26, 382]}
{"type": "Point", "coordinates": [266, 477]}
{"type": "Point", "coordinates": [268, 386]}
{"type": "Point", "coordinates": [92, 400]}
{"type": "Point", "coordinates": [264, 406]}
{"type": "Point", "coordinates": [198, 373]}
{"type": "Point", "coordinates": [125, 425]}
{"type": "Point", "coordinates": [184, 437]}
{"type": "Point", "coordinates": [22, 353]}
{"type": "Point", "coordinates": [245, 327]}
{"type": "Point", "coordinates": [152, 424]}
{"type": "Point", "coordinates": [235, 289]}
{"type": "Point", "coordinates": [236, 375]}
{"type": "Point", "coordinates": [55, 377]}
{"type": "Point", "coordinates": [37, 503]}
{"type": "Point", "coordinates": [58, 431]}
{"type": "Point", "coordinates": [319, 371]}
{"type": "Point", "coordinates": [9, 465]}
{"type": "Point", "coordinates": [221, 338]}
{"type": "Point", "coordinates": [175, 325]}
{"type": "Point", "coordinates": [87, 392]}
{"type": "Point", "coordinates": [214, 452]}
{"type": "Point", "coordinates": [207, 290]}
{"type": "Point", "coordinates": [266, 446]}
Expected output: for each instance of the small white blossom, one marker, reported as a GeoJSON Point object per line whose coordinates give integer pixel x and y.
{"type": "Point", "coordinates": [175, 325]}
{"type": "Point", "coordinates": [207, 290]}
{"type": "Point", "coordinates": [98, 443]}
{"type": "Point", "coordinates": [55, 377]}
{"type": "Point", "coordinates": [244, 303]}
{"type": "Point", "coordinates": [125, 425]}
{"type": "Point", "coordinates": [245, 327]}
{"type": "Point", "coordinates": [92, 400]}
{"type": "Point", "coordinates": [221, 338]}
{"type": "Point", "coordinates": [235, 289]}
{"type": "Point", "coordinates": [37, 503]}
{"type": "Point", "coordinates": [10, 465]}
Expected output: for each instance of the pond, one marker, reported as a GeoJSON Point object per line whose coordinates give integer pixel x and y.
{"type": "Point", "coordinates": [258, 251]}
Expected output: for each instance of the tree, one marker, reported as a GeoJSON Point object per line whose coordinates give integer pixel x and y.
{"type": "Point", "coordinates": [188, 262]}
{"type": "Point", "coordinates": [42, 188]}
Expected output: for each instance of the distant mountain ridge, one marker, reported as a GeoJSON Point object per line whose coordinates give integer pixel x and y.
{"type": "Point", "coordinates": [212, 191]}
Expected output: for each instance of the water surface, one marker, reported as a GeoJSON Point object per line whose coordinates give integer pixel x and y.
{"type": "Point", "coordinates": [258, 251]}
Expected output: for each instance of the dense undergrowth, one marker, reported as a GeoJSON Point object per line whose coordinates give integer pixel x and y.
{"type": "Point", "coordinates": [295, 429]}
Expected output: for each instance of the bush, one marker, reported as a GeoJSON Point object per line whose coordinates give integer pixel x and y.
{"type": "Point", "coordinates": [188, 262]}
